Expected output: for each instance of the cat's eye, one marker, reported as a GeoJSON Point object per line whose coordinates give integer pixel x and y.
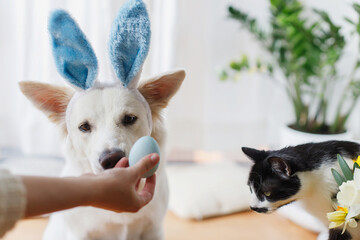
{"type": "Point", "coordinates": [85, 127]}
{"type": "Point", "coordinates": [267, 194]}
{"type": "Point", "coordinates": [129, 120]}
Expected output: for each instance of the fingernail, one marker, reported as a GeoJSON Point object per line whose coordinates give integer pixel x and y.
{"type": "Point", "coordinates": [154, 157]}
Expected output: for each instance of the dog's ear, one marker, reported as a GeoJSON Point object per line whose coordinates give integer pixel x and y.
{"type": "Point", "coordinates": [158, 91]}
{"type": "Point", "coordinates": [280, 167]}
{"type": "Point", "coordinates": [254, 154]}
{"type": "Point", "coordinates": [52, 100]}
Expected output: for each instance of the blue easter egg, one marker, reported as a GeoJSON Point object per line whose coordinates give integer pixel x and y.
{"type": "Point", "coordinates": [142, 147]}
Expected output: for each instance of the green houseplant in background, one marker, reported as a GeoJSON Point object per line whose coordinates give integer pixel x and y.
{"type": "Point", "coordinates": [306, 51]}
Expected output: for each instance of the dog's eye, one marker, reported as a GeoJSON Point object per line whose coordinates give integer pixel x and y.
{"type": "Point", "coordinates": [85, 127]}
{"type": "Point", "coordinates": [129, 120]}
{"type": "Point", "coordinates": [267, 194]}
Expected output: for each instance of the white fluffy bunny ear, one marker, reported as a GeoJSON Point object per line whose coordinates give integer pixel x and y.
{"type": "Point", "coordinates": [74, 58]}
{"type": "Point", "coordinates": [129, 42]}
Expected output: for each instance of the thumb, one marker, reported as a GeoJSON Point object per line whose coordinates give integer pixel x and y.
{"type": "Point", "coordinates": [145, 164]}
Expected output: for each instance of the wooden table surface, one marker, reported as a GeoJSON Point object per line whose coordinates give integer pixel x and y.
{"type": "Point", "coordinates": [244, 226]}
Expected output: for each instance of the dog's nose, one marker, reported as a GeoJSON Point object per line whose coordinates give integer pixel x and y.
{"type": "Point", "coordinates": [259, 210]}
{"type": "Point", "coordinates": [109, 158]}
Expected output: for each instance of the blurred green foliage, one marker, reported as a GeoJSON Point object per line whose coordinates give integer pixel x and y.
{"type": "Point", "coordinates": [307, 52]}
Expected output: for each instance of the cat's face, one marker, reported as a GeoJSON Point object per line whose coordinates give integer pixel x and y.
{"type": "Point", "coordinates": [271, 181]}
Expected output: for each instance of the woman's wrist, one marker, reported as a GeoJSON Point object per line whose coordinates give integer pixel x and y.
{"type": "Point", "coordinates": [88, 189]}
{"type": "Point", "coordinates": [49, 194]}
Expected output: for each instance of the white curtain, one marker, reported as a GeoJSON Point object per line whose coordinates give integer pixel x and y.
{"type": "Point", "coordinates": [26, 55]}
{"type": "Point", "coordinates": [194, 35]}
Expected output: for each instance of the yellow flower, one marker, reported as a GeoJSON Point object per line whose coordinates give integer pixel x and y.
{"type": "Point", "coordinates": [338, 218]}
{"type": "Point", "coordinates": [357, 160]}
{"type": "Point", "coordinates": [344, 209]}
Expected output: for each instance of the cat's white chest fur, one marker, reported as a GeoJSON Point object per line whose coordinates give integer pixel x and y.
{"type": "Point", "coordinates": [316, 191]}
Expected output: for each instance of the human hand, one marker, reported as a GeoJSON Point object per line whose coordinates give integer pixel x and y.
{"type": "Point", "coordinates": [116, 189]}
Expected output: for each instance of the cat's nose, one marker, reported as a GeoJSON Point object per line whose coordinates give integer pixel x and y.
{"type": "Point", "coordinates": [109, 158]}
{"type": "Point", "coordinates": [259, 210]}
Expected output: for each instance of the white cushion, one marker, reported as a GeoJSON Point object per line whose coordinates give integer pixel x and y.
{"type": "Point", "coordinates": [199, 191]}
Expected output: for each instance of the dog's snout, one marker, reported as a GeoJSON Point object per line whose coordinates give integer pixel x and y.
{"type": "Point", "coordinates": [109, 158]}
{"type": "Point", "coordinates": [259, 210]}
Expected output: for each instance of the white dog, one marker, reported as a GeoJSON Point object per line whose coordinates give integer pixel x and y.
{"type": "Point", "coordinates": [101, 123]}
{"type": "Point", "coordinates": [105, 120]}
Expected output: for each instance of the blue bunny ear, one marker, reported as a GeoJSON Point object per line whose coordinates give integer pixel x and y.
{"type": "Point", "coordinates": [129, 40]}
{"type": "Point", "coordinates": [74, 57]}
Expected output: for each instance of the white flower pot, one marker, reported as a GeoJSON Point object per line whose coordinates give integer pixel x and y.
{"type": "Point", "coordinates": [291, 137]}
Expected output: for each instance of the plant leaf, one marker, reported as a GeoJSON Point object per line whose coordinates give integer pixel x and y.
{"type": "Point", "coordinates": [356, 7]}
{"type": "Point", "coordinates": [338, 178]}
{"type": "Point", "coordinates": [356, 165]}
{"type": "Point", "coordinates": [223, 75]}
{"type": "Point", "coordinates": [345, 168]}
{"type": "Point", "coordinates": [349, 21]}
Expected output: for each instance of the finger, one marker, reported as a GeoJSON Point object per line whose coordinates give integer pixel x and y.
{"type": "Point", "coordinates": [137, 184]}
{"type": "Point", "coordinates": [124, 162]}
{"type": "Point", "coordinates": [145, 164]}
{"type": "Point", "coordinates": [147, 193]}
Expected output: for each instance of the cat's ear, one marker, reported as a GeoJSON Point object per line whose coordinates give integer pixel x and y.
{"type": "Point", "coordinates": [254, 154]}
{"type": "Point", "coordinates": [280, 167]}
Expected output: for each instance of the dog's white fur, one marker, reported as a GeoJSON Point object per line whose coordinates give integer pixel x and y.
{"type": "Point", "coordinates": [104, 108]}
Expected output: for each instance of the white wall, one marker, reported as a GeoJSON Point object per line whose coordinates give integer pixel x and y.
{"type": "Point", "coordinates": [216, 115]}
{"type": "Point", "coordinates": [194, 35]}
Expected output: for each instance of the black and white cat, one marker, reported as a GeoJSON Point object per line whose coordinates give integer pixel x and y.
{"type": "Point", "coordinates": [301, 173]}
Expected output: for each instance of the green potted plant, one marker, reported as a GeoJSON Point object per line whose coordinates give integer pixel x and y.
{"type": "Point", "coordinates": [306, 51]}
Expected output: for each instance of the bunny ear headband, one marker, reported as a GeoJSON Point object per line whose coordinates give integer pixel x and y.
{"type": "Point", "coordinates": [128, 47]}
